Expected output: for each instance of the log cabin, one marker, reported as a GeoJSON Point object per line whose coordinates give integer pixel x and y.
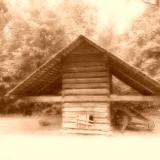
{"type": "Point", "coordinates": [80, 78]}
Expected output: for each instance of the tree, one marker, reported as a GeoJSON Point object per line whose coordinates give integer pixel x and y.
{"type": "Point", "coordinates": [31, 38]}
{"type": "Point", "coordinates": [142, 47]}
{"type": "Point", "coordinates": [79, 17]}
{"type": "Point", "coordinates": [3, 14]}
{"type": "Point", "coordinates": [155, 3]}
{"type": "Point", "coordinates": [107, 36]}
{"type": "Point", "coordinates": [4, 18]}
{"type": "Point", "coordinates": [35, 33]}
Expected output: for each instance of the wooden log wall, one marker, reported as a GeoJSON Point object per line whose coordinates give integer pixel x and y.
{"type": "Point", "coordinates": [85, 88]}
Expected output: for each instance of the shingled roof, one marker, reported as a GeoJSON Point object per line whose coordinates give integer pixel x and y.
{"type": "Point", "coordinates": [40, 79]}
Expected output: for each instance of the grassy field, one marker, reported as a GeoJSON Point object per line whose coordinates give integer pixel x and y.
{"type": "Point", "coordinates": [31, 147]}
{"type": "Point", "coordinates": [22, 138]}
{"type": "Point", "coordinates": [18, 124]}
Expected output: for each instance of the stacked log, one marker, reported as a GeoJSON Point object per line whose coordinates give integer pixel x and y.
{"type": "Point", "coordinates": [85, 87]}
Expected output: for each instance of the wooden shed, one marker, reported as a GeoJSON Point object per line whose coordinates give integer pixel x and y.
{"type": "Point", "coordinates": [80, 77]}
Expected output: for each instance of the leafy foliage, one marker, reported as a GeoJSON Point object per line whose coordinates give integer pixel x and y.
{"type": "Point", "coordinates": [79, 15]}
{"type": "Point", "coordinates": [34, 32]}
{"type": "Point", "coordinates": [139, 46]}
{"type": "Point", "coordinates": [142, 43]}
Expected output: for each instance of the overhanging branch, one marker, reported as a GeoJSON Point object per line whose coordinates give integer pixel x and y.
{"type": "Point", "coordinates": [153, 4]}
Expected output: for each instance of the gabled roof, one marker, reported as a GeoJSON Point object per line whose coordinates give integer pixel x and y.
{"type": "Point", "coordinates": [40, 79]}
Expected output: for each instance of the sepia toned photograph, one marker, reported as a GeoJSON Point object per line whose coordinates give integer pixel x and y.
{"type": "Point", "coordinates": [79, 79]}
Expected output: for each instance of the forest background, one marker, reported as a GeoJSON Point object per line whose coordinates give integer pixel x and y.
{"type": "Point", "coordinates": [33, 31]}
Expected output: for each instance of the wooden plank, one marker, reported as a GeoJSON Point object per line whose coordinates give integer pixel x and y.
{"type": "Point", "coordinates": [86, 104]}
{"type": "Point", "coordinates": [95, 99]}
{"type": "Point", "coordinates": [86, 98]}
{"type": "Point", "coordinates": [84, 69]}
{"type": "Point", "coordinates": [84, 64]}
{"type": "Point", "coordinates": [85, 86]}
{"type": "Point", "coordinates": [94, 126]}
{"type": "Point", "coordinates": [87, 125]}
{"type": "Point", "coordinates": [51, 99]}
{"type": "Point", "coordinates": [139, 98]}
{"type": "Point", "coordinates": [85, 75]}
{"type": "Point", "coordinates": [110, 77]}
{"type": "Point", "coordinates": [93, 109]}
{"type": "Point", "coordinates": [85, 51]}
{"type": "Point", "coordinates": [83, 57]}
{"type": "Point", "coordinates": [96, 115]}
{"type": "Point", "coordinates": [85, 80]}
{"type": "Point", "coordinates": [78, 123]}
{"type": "Point", "coordinates": [101, 119]}
{"type": "Point", "coordinates": [97, 121]}
{"type": "Point", "coordinates": [67, 115]}
{"type": "Point", "coordinates": [86, 91]}
{"type": "Point", "coordinates": [84, 109]}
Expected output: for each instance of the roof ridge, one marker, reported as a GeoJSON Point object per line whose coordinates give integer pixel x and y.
{"type": "Point", "coordinates": [48, 61]}
{"type": "Point", "coordinates": [119, 59]}
{"type": "Point", "coordinates": [66, 50]}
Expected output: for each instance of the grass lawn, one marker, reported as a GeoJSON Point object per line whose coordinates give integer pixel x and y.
{"type": "Point", "coordinates": [22, 138]}
{"type": "Point", "coordinates": [18, 124]}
